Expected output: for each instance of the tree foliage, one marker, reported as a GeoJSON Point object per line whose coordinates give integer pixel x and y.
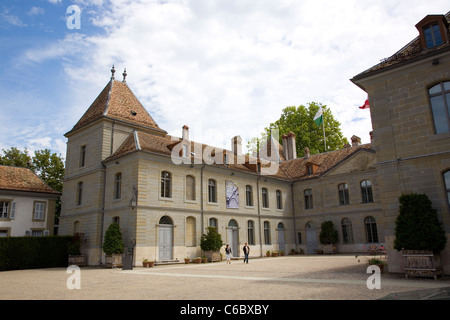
{"type": "Point", "coordinates": [328, 234]}
{"type": "Point", "coordinates": [113, 243]}
{"type": "Point", "coordinates": [211, 241]}
{"type": "Point", "coordinates": [300, 121]}
{"type": "Point", "coordinates": [417, 226]}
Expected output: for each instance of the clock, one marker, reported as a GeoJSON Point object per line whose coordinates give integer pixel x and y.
{"type": "Point", "coordinates": [232, 194]}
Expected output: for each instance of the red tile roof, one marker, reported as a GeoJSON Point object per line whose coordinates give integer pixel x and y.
{"type": "Point", "coordinates": [22, 179]}
{"type": "Point", "coordinates": [118, 102]}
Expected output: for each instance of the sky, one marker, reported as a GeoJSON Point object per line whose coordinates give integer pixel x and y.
{"type": "Point", "coordinates": [222, 67]}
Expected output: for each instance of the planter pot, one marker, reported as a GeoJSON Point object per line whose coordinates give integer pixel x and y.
{"type": "Point", "coordinates": [198, 260]}
{"type": "Point", "coordinates": [212, 256]}
{"type": "Point", "coordinates": [275, 254]}
{"type": "Point", "coordinates": [148, 264]}
{"type": "Point", "coordinates": [186, 260]}
{"type": "Point", "coordinates": [77, 260]}
{"type": "Point", "coordinates": [204, 260]}
{"type": "Point", "coordinates": [422, 263]}
{"type": "Point", "coordinates": [114, 261]}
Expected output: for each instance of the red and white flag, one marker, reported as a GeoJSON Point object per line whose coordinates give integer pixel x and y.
{"type": "Point", "coordinates": [365, 105]}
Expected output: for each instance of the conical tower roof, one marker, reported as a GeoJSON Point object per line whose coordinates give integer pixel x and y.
{"type": "Point", "coordinates": [116, 101]}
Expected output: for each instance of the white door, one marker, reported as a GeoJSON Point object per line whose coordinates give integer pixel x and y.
{"type": "Point", "coordinates": [281, 245]}
{"type": "Point", "coordinates": [165, 243]}
{"type": "Point", "coordinates": [311, 238]}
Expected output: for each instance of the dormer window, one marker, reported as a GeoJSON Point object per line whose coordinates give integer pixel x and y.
{"type": "Point", "coordinates": [433, 31]}
{"type": "Point", "coordinates": [432, 35]}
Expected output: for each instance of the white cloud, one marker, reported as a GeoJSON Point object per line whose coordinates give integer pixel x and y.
{"type": "Point", "coordinates": [55, 1]}
{"type": "Point", "coordinates": [35, 11]}
{"type": "Point", "coordinates": [230, 67]}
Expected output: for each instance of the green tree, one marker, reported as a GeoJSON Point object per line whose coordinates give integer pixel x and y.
{"type": "Point", "coordinates": [47, 165]}
{"type": "Point", "coordinates": [16, 157]}
{"type": "Point", "coordinates": [211, 241]}
{"type": "Point", "coordinates": [300, 121]}
{"type": "Point", "coordinates": [113, 243]}
{"type": "Point", "coordinates": [417, 226]}
{"type": "Point", "coordinates": [328, 234]}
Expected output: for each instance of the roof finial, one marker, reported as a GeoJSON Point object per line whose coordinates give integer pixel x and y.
{"type": "Point", "coordinates": [124, 74]}
{"type": "Point", "coordinates": [112, 72]}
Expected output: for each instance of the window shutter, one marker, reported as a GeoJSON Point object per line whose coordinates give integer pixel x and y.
{"type": "Point", "coordinates": [12, 216]}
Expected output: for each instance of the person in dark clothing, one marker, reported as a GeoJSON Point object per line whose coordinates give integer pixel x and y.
{"type": "Point", "coordinates": [246, 252]}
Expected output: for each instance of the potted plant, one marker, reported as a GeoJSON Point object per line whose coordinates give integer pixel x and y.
{"type": "Point", "coordinates": [198, 260]}
{"type": "Point", "coordinates": [210, 243]}
{"type": "Point", "coordinates": [204, 259]}
{"type": "Point", "coordinates": [147, 263]}
{"type": "Point", "coordinates": [113, 246]}
{"type": "Point", "coordinates": [328, 237]}
{"type": "Point", "coordinates": [374, 261]}
{"type": "Point", "coordinates": [419, 236]}
{"type": "Point", "coordinates": [187, 260]}
{"type": "Point", "coordinates": [74, 250]}
{"type": "Point", "coordinates": [268, 253]}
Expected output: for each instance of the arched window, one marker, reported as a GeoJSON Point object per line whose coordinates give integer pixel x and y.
{"type": "Point", "coordinates": [371, 230]}
{"type": "Point", "coordinates": [343, 194]}
{"type": "Point", "coordinates": [213, 222]}
{"type": "Point", "coordinates": [266, 232]}
{"type": "Point", "coordinates": [190, 232]}
{"type": "Point", "coordinates": [249, 195]}
{"type": "Point", "coordinates": [308, 198]}
{"type": "Point", "coordinates": [280, 225]}
{"type": "Point", "coordinates": [347, 231]}
{"type": "Point", "coordinates": [212, 191]}
{"type": "Point", "coordinates": [166, 188]}
{"type": "Point", "coordinates": [439, 95]}
{"type": "Point", "coordinates": [250, 232]}
{"type": "Point", "coordinates": [118, 185]}
{"type": "Point", "coordinates": [366, 191]}
{"type": "Point", "coordinates": [265, 198]}
{"type": "Point", "coordinates": [190, 187]}
{"type": "Point", "coordinates": [166, 220]}
{"type": "Point", "coordinates": [233, 224]}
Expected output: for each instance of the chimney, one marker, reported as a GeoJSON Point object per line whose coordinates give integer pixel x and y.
{"type": "Point", "coordinates": [236, 145]}
{"type": "Point", "coordinates": [307, 154]}
{"type": "Point", "coordinates": [356, 141]}
{"type": "Point", "coordinates": [185, 134]}
{"type": "Point", "coordinates": [289, 148]}
{"type": "Point", "coordinates": [371, 138]}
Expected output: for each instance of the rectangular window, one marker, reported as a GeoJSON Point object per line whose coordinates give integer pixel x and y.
{"type": "Point", "coordinates": [266, 232]}
{"type": "Point", "coordinates": [39, 210]}
{"type": "Point", "coordinates": [249, 196]}
{"type": "Point", "coordinates": [79, 193]}
{"type": "Point", "coordinates": [212, 191]}
{"type": "Point", "coordinates": [432, 35]}
{"type": "Point", "coordinates": [440, 106]}
{"type": "Point", "coordinates": [265, 198]}
{"type": "Point", "coordinates": [166, 184]}
{"type": "Point", "coordinates": [4, 209]}
{"type": "Point", "coordinates": [118, 186]}
{"type": "Point", "coordinates": [279, 200]}
{"type": "Point", "coordinates": [308, 198]}
{"type": "Point", "coordinates": [82, 156]}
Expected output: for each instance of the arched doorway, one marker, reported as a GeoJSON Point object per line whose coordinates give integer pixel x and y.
{"type": "Point", "coordinates": [311, 237]}
{"type": "Point", "coordinates": [281, 243]}
{"type": "Point", "coordinates": [165, 236]}
{"type": "Point", "coordinates": [233, 237]}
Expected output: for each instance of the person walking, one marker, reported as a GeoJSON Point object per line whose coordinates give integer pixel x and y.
{"type": "Point", "coordinates": [228, 254]}
{"type": "Point", "coordinates": [246, 252]}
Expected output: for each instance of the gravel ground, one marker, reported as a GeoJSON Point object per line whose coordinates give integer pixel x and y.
{"type": "Point", "coordinates": [302, 277]}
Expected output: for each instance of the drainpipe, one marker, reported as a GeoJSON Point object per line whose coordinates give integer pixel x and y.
{"type": "Point", "coordinates": [201, 199]}
{"type": "Point", "coordinates": [102, 221]}
{"type": "Point", "coordinates": [293, 214]}
{"type": "Point", "coordinates": [259, 215]}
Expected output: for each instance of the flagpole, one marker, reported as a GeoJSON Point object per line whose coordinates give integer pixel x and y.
{"type": "Point", "coordinates": [323, 127]}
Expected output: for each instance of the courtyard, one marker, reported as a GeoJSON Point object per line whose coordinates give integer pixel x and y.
{"type": "Point", "coordinates": [300, 277]}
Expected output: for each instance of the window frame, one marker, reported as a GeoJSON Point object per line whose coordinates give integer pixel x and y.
{"type": "Point", "coordinates": [446, 104]}
{"type": "Point", "coordinates": [118, 185]}
{"type": "Point", "coordinates": [266, 226]}
{"type": "Point", "coordinates": [80, 186]}
{"type": "Point", "coordinates": [166, 185]}
{"type": "Point", "coordinates": [5, 215]}
{"type": "Point", "coordinates": [445, 176]}
{"type": "Point", "coordinates": [308, 197]}
{"type": "Point", "coordinates": [190, 189]}
{"type": "Point", "coordinates": [279, 197]}
{"type": "Point", "coordinates": [344, 198]}
{"type": "Point", "coordinates": [370, 226]}
{"type": "Point", "coordinates": [82, 160]}
{"type": "Point", "coordinates": [265, 198]}
{"type": "Point", "coordinates": [250, 232]}
{"type": "Point", "coordinates": [212, 191]}
{"type": "Point", "coordinates": [40, 211]}
{"type": "Point", "coordinates": [366, 196]}
{"type": "Point", "coordinates": [249, 195]}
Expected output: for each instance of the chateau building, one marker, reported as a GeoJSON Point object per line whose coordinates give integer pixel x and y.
{"type": "Point", "coordinates": [164, 191]}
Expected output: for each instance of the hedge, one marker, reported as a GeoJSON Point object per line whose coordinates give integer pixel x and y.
{"type": "Point", "coordinates": [33, 252]}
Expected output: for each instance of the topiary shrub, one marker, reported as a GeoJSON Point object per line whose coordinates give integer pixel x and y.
{"type": "Point", "coordinates": [328, 235]}
{"type": "Point", "coordinates": [211, 241]}
{"type": "Point", "coordinates": [113, 243]}
{"type": "Point", "coordinates": [417, 225]}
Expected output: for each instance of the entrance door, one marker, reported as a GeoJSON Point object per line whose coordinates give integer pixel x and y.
{"type": "Point", "coordinates": [311, 238]}
{"type": "Point", "coordinates": [165, 238]}
{"type": "Point", "coordinates": [233, 237]}
{"type": "Point", "coordinates": [281, 244]}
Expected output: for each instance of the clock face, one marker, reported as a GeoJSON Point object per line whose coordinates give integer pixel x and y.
{"type": "Point", "coordinates": [232, 194]}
